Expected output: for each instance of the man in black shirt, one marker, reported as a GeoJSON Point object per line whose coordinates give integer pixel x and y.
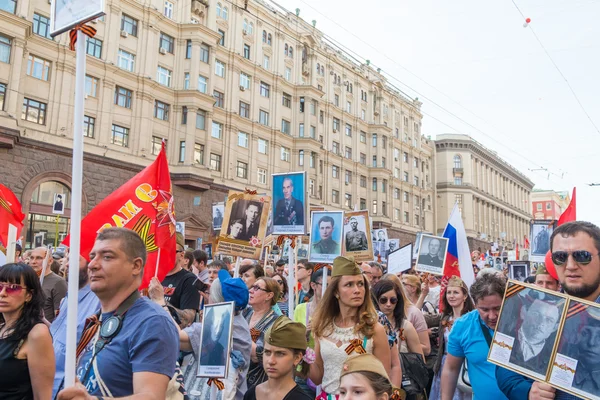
{"type": "Point", "coordinates": [181, 289]}
{"type": "Point", "coordinates": [285, 344]}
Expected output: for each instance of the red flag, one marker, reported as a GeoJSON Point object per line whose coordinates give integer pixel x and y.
{"type": "Point", "coordinates": [526, 242]}
{"type": "Point", "coordinates": [144, 204]}
{"type": "Point", "coordinates": [570, 213]}
{"type": "Point", "coordinates": [10, 213]}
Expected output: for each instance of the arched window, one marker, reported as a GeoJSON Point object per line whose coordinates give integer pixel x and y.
{"type": "Point", "coordinates": [245, 26]}
{"type": "Point", "coordinates": [318, 67]}
{"type": "Point", "coordinates": [251, 28]}
{"type": "Point", "coordinates": [291, 52]}
{"type": "Point", "coordinates": [269, 40]}
{"type": "Point", "coordinates": [264, 36]}
{"type": "Point", "coordinates": [219, 10]}
{"type": "Point", "coordinates": [49, 200]}
{"type": "Point", "coordinates": [224, 13]}
{"type": "Point", "coordinates": [457, 161]}
{"type": "Point", "coordinates": [322, 70]}
{"type": "Point", "coordinates": [350, 87]}
{"type": "Point", "coordinates": [285, 51]}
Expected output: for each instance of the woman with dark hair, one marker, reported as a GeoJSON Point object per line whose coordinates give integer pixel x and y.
{"type": "Point", "coordinates": [457, 303]}
{"type": "Point", "coordinates": [471, 337]}
{"type": "Point", "coordinates": [345, 323]}
{"type": "Point", "coordinates": [26, 353]}
{"type": "Point", "coordinates": [282, 303]}
{"type": "Point", "coordinates": [388, 299]}
{"type": "Point", "coordinates": [189, 260]}
{"type": "Point", "coordinates": [250, 273]}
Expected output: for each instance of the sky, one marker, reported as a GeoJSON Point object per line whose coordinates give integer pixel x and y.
{"type": "Point", "coordinates": [480, 72]}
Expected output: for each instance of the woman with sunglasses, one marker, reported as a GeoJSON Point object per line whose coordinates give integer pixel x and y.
{"type": "Point", "coordinates": [26, 352]}
{"type": "Point", "coordinates": [283, 297]}
{"type": "Point", "coordinates": [345, 323]}
{"type": "Point", "coordinates": [260, 316]}
{"type": "Point", "coordinates": [457, 303]}
{"type": "Point", "coordinates": [388, 299]}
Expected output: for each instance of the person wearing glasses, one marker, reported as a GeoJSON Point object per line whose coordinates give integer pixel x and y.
{"type": "Point", "coordinates": [283, 290]}
{"type": "Point", "coordinates": [26, 353]}
{"type": "Point", "coordinates": [575, 250]}
{"type": "Point", "coordinates": [260, 316]}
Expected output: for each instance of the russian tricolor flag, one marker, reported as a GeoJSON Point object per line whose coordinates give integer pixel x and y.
{"type": "Point", "coordinates": [458, 259]}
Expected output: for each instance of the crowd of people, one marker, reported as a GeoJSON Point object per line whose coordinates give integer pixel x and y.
{"type": "Point", "coordinates": [369, 335]}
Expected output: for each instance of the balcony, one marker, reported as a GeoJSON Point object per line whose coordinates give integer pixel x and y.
{"type": "Point", "coordinates": [457, 171]}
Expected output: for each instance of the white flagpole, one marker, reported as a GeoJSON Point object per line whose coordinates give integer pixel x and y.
{"type": "Point", "coordinates": [157, 262]}
{"type": "Point", "coordinates": [292, 280]}
{"type": "Point", "coordinates": [236, 270]}
{"type": "Point", "coordinates": [76, 195]}
{"type": "Point", "coordinates": [324, 282]}
{"type": "Point", "coordinates": [11, 245]}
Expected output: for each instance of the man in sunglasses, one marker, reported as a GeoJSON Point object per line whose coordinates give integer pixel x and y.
{"type": "Point", "coordinates": [575, 248]}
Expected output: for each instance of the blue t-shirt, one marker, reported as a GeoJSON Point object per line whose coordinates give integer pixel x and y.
{"type": "Point", "coordinates": [147, 342]}
{"type": "Point", "coordinates": [467, 341]}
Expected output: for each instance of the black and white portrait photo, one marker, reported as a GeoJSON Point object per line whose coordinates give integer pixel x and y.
{"type": "Point", "coordinates": [244, 221]}
{"type": "Point", "coordinates": [326, 236]}
{"type": "Point", "coordinates": [432, 254]}
{"type": "Point", "coordinates": [289, 198]}
{"type": "Point", "coordinates": [379, 238]}
{"type": "Point", "coordinates": [518, 271]}
{"type": "Point", "coordinates": [576, 367]}
{"type": "Point", "coordinates": [527, 329]}
{"type": "Point", "coordinates": [215, 344]}
{"type": "Point", "coordinates": [218, 210]}
{"type": "Point", "coordinates": [540, 240]}
{"type": "Point", "coordinates": [58, 206]}
{"type": "Point", "coordinates": [357, 241]}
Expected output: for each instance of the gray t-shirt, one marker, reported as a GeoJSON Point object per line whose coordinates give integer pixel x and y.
{"type": "Point", "coordinates": [54, 289]}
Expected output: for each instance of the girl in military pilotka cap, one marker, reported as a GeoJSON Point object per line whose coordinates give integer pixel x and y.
{"type": "Point", "coordinates": [364, 378]}
{"type": "Point", "coordinates": [285, 345]}
{"type": "Point", "coordinates": [345, 323]}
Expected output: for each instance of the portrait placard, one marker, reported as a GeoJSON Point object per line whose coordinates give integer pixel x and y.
{"type": "Point", "coordinates": [357, 240]}
{"type": "Point", "coordinates": [289, 203]}
{"type": "Point", "coordinates": [540, 239]}
{"type": "Point", "coordinates": [400, 260]}
{"type": "Point", "coordinates": [416, 246]}
{"type": "Point", "coordinates": [215, 340]}
{"type": "Point", "coordinates": [218, 211]}
{"type": "Point", "coordinates": [577, 360]}
{"type": "Point", "coordinates": [391, 246]}
{"type": "Point", "coordinates": [526, 332]}
{"type": "Point", "coordinates": [379, 237]}
{"type": "Point", "coordinates": [58, 206]}
{"type": "Point", "coordinates": [66, 14]}
{"type": "Point", "coordinates": [326, 236]}
{"type": "Point", "coordinates": [432, 254]}
{"type": "Point", "coordinates": [519, 271]}
{"type": "Point", "coordinates": [244, 225]}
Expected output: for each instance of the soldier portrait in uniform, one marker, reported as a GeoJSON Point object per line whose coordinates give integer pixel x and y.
{"type": "Point", "coordinates": [289, 199]}
{"type": "Point", "coordinates": [218, 210]}
{"type": "Point", "coordinates": [518, 271]}
{"type": "Point", "coordinates": [432, 254]}
{"type": "Point", "coordinates": [326, 236]}
{"type": "Point", "coordinates": [540, 233]}
{"type": "Point", "coordinates": [357, 241]}
{"type": "Point", "coordinates": [215, 340]}
{"type": "Point", "coordinates": [530, 318]}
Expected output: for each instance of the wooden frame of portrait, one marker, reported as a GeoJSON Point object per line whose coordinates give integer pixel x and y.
{"type": "Point", "coordinates": [511, 269]}
{"type": "Point", "coordinates": [250, 247]}
{"type": "Point", "coordinates": [220, 370]}
{"type": "Point", "coordinates": [328, 258]}
{"type": "Point", "coordinates": [425, 267]}
{"type": "Point", "coordinates": [502, 346]}
{"type": "Point", "coordinates": [359, 255]}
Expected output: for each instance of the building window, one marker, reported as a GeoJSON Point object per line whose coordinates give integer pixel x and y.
{"type": "Point", "coordinates": [539, 206]}
{"type": "Point", "coordinates": [202, 84]}
{"type": "Point", "coordinates": [335, 171]}
{"type": "Point", "coordinates": [396, 214]}
{"type": "Point", "coordinates": [374, 207]}
{"type": "Point", "coordinates": [285, 154]}
{"type": "Point", "coordinates": [243, 139]}
{"type": "Point", "coordinates": [548, 206]}
{"type": "Point", "coordinates": [163, 76]}
{"type": "Point", "coordinates": [396, 172]}
{"type": "Point", "coordinates": [301, 158]}
{"type": "Point", "coordinates": [263, 117]}
{"type": "Point", "coordinates": [286, 100]}
{"type": "Point", "coordinates": [219, 99]}
{"type": "Point", "coordinates": [167, 43]}
{"type": "Point", "coordinates": [156, 144]}
{"type": "Point", "coordinates": [285, 127]}
{"type": "Point", "coordinates": [204, 53]}
{"type": "Point", "coordinates": [406, 197]}
{"type": "Point", "coordinates": [120, 135]}
{"type": "Point", "coordinates": [217, 130]}
{"type": "Point", "coordinates": [8, 6]}
{"type": "Point", "coordinates": [262, 176]}
{"type": "Point", "coordinates": [184, 113]}
{"type": "Point", "coordinates": [301, 104]}
{"type": "Point", "coordinates": [457, 180]}
{"type": "Point", "coordinates": [182, 151]}
{"type": "Point", "coordinates": [335, 196]}
{"type": "Point", "coordinates": [288, 74]}
{"type": "Point", "coordinates": [266, 62]}
{"type": "Point", "coordinates": [363, 204]}
{"type": "Point", "coordinates": [396, 193]}
{"type": "Point", "coordinates": [457, 161]}
{"type": "Point", "coordinates": [263, 145]}
{"type": "Point", "coordinates": [244, 80]}
{"type": "Point", "coordinates": [222, 39]}
{"type": "Point", "coordinates": [199, 154]}
{"type": "Point", "coordinates": [363, 181]}
{"type": "Point", "coordinates": [416, 219]}
{"type": "Point", "coordinates": [242, 170]}
{"type": "Point", "coordinates": [215, 162]}
{"type": "Point", "coordinates": [349, 153]}
{"type": "Point", "coordinates": [129, 25]}
{"type": "Point", "coordinates": [384, 185]}
{"type": "Point", "coordinates": [348, 130]}
{"type": "Point", "coordinates": [406, 217]}
{"type": "Point", "coordinates": [311, 187]}
{"type": "Point", "coordinates": [93, 47]}
{"type": "Point", "coordinates": [188, 49]}
{"type": "Point", "coordinates": [2, 95]}
{"type": "Point", "coordinates": [405, 157]}
{"type": "Point", "coordinates": [348, 177]}
{"type": "Point", "coordinates": [247, 51]}
{"type": "Point", "coordinates": [161, 110]}
{"type": "Point", "coordinates": [312, 160]}
{"type": "Point", "coordinates": [416, 180]}
{"type": "Point", "coordinates": [415, 162]}
{"type": "Point", "coordinates": [374, 185]}
{"type": "Point", "coordinates": [89, 125]}
{"type": "Point", "coordinates": [219, 69]}
{"type": "Point", "coordinates": [41, 26]}
{"type": "Point", "coordinates": [384, 142]}
{"type": "Point", "coordinates": [123, 97]}
{"type": "Point", "coordinates": [201, 120]}
{"type": "Point", "coordinates": [374, 161]}
{"type": "Point", "coordinates": [186, 81]}
{"type": "Point", "coordinates": [405, 177]}
{"type": "Point", "coordinates": [363, 158]}
{"type": "Point", "coordinates": [244, 110]}
{"type": "Point", "coordinates": [335, 148]}
{"type": "Point", "coordinates": [34, 111]}
{"type": "Point", "coordinates": [374, 140]}
{"type": "Point", "coordinates": [265, 89]}
{"type": "Point", "coordinates": [348, 107]}
{"type": "Point", "coordinates": [301, 130]}
{"type": "Point", "coordinates": [38, 68]}
{"type": "Point", "coordinates": [336, 100]}
{"type": "Point", "coordinates": [336, 125]}
{"type": "Point", "coordinates": [458, 199]}
{"type": "Point", "coordinates": [5, 47]}
{"type": "Point", "coordinates": [126, 61]}
{"type": "Point", "coordinates": [168, 11]}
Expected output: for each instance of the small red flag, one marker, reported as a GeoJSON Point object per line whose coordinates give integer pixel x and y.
{"type": "Point", "coordinates": [144, 204]}
{"type": "Point", "coordinates": [570, 213]}
{"type": "Point", "coordinates": [10, 213]}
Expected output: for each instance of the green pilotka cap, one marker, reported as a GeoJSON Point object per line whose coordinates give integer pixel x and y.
{"type": "Point", "coordinates": [345, 266]}
{"type": "Point", "coordinates": [287, 334]}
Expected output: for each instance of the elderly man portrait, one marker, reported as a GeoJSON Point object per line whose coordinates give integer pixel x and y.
{"type": "Point", "coordinates": [289, 210]}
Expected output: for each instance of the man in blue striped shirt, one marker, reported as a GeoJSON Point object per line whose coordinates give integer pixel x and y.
{"type": "Point", "coordinates": [575, 248]}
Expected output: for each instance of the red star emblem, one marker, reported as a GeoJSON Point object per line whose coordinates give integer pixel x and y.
{"type": "Point", "coordinates": [165, 211]}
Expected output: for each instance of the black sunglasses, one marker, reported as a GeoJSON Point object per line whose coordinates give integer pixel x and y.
{"type": "Point", "coordinates": [582, 257]}
{"type": "Point", "coordinates": [384, 300]}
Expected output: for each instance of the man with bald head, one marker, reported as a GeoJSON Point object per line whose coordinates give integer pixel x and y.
{"type": "Point", "coordinates": [54, 288]}
{"type": "Point", "coordinates": [432, 259]}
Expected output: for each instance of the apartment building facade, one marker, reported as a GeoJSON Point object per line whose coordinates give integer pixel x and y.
{"type": "Point", "coordinates": [239, 90]}
{"type": "Point", "coordinates": [549, 204]}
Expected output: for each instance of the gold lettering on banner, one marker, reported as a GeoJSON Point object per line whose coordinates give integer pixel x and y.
{"type": "Point", "coordinates": [144, 192]}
